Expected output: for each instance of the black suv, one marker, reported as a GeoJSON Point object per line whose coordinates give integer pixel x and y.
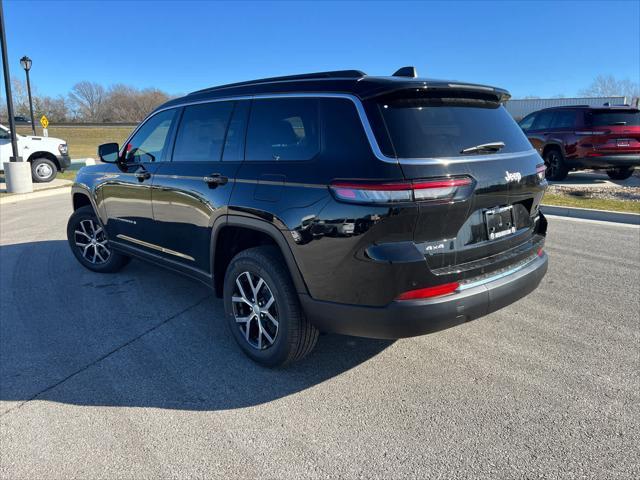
{"type": "Point", "coordinates": [383, 207]}
{"type": "Point", "coordinates": [571, 138]}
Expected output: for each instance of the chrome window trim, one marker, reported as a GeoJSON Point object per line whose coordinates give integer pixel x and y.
{"type": "Point", "coordinates": [364, 120]}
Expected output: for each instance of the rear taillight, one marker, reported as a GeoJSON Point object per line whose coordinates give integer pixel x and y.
{"type": "Point", "coordinates": [540, 170]}
{"type": "Point", "coordinates": [429, 292]}
{"type": "Point", "coordinates": [417, 190]}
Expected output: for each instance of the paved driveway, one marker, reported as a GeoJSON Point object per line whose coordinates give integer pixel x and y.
{"type": "Point", "coordinates": [135, 376]}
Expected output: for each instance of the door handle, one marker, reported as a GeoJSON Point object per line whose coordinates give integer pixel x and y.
{"type": "Point", "coordinates": [215, 179]}
{"type": "Point", "coordinates": [142, 175]}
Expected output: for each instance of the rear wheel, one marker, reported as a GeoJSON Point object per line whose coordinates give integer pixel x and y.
{"type": "Point", "coordinates": [263, 310]}
{"type": "Point", "coordinates": [556, 170]}
{"type": "Point", "coordinates": [43, 170]}
{"type": "Point", "coordinates": [88, 242]}
{"type": "Point", "coordinates": [620, 173]}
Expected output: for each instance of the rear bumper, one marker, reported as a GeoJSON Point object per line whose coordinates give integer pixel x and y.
{"type": "Point", "coordinates": [607, 161]}
{"type": "Point", "coordinates": [418, 317]}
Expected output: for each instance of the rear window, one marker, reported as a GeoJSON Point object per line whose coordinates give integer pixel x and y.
{"type": "Point", "coordinates": [438, 127]}
{"type": "Point", "coordinates": [602, 118]}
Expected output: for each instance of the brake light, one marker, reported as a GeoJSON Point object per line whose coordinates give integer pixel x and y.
{"type": "Point", "coordinates": [540, 171]}
{"type": "Point", "coordinates": [429, 292]}
{"type": "Point", "coordinates": [418, 190]}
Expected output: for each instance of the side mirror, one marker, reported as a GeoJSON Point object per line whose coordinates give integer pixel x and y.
{"type": "Point", "coordinates": [108, 152]}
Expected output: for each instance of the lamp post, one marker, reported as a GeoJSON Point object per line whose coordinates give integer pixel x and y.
{"type": "Point", "coordinates": [17, 173]}
{"type": "Point", "coordinates": [26, 64]}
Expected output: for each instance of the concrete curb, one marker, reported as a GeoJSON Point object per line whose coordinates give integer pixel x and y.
{"type": "Point", "coordinates": [590, 214]}
{"type": "Point", "coordinates": [18, 197]}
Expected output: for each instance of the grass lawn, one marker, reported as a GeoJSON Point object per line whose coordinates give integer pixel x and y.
{"type": "Point", "coordinates": [83, 141]}
{"type": "Point", "coordinates": [595, 203]}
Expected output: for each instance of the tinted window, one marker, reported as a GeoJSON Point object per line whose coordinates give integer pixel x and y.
{"type": "Point", "coordinates": [436, 127]}
{"type": "Point", "coordinates": [564, 119]}
{"type": "Point", "coordinates": [234, 142]}
{"type": "Point", "coordinates": [149, 143]}
{"type": "Point", "coordinates": [542, 121]}
{"type": "Point", "coordinates": [526, 122]}
{"type": "Point", "coordinates": [602, 118]}
{"type": "Point", "coordinates": [283, 129]}
{"type": "Point", "coordinates": [201, 132]}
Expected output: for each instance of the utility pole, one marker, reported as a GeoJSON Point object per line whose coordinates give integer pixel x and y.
{"type": "Point", "coordinates": [17, 172]}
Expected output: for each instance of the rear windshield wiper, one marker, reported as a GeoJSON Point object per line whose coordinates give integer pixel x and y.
{"type": "Point", "coordinates": [485, 147]}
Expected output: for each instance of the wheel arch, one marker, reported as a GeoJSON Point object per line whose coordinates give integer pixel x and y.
{"type": "Point", "coordinates": [238, 233]}
{"type": "Point", "coordinates": [553, 146]}
{"type": "Point", "coordinates": [44, 154]}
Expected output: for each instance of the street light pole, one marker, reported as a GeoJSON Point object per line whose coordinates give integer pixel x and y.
{"type": "Point", "coordinates": [26, 64]}
{"type": "Point", "coordinates": [7, 87]}
{"type": "Point", "coordinates": [17, 174]}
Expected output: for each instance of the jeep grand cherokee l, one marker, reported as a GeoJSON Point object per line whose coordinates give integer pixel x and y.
{"type": "Point", "coordinates": [570, 138]}
{"type": "Point", "coordinates": [383, 207]}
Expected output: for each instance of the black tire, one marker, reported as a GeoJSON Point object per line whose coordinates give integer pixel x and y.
{"type": "Point", "coordinates": [620, 173]}
{"type": "Point", "coordinates": [43, 170]}
{"type": "Point", "coordinates": [294, 336]}
{"type": "Point", "coordinates": [556, 170]}
{"type": "Point", "coordinates": [84, 229]}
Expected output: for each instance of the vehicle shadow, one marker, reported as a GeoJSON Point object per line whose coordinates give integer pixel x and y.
{"type": "Point", "coordinates": [144, 337]}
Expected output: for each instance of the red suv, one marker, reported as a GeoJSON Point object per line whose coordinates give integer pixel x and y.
{"type": "Point", "coordinates": [571, 138]}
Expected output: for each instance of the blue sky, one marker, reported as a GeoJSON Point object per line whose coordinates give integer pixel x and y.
{"type": "Point", "coordinates": [530, 48]}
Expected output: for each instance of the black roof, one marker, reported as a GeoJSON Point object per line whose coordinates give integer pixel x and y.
{"type": "Point", "coordinates": [354, 82]}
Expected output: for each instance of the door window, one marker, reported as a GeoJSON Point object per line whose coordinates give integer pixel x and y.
{"type": "Point", "coordinates": [542, 121]}
{"type": "Point", "coordinates": [283, 129]}
{"type": "Point", "coordinates": [234, 142]}
{"type": "Point", "coordinates": [202, 132]}
{"type": "Point", "coordinates": [149, 144]}
{"type": "Point", "coordinates": [526, 122]}
{"type": "Point", "coordinates": [564, 119]}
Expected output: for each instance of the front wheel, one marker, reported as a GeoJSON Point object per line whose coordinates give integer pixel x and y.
{"type": "Point", "coordinates": [556, 170]}
{"type": "Point", "coordinates": [263, 310]}
{"type": "Point", "coordinates": [88, 242]}
{"type": "Point", "coordinates": [620, 173]}
{"type": "Point", "coordinates": [43, 170]}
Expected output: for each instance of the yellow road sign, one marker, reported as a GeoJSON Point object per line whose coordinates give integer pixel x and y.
{"type": "Point", "coordinates": [44, 121]}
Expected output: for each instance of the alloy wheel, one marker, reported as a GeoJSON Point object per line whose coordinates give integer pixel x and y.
{"type": "Point", "coordinates": [552, 163]}
{"type": "Point", "coordinates": [91, 241]}
{"type": "Point", "coordinates": [255, 310]}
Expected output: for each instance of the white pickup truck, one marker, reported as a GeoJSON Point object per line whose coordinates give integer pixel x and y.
{"type": "Point", "coordinates": [47, 155]}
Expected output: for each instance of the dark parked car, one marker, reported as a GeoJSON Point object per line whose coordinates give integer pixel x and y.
{"type": "Point", "coordinates": [384, 207]}
{"type": "Point", "coordinates": [20, 120]}
{"type": "Point", "coordinates": [570, 138]}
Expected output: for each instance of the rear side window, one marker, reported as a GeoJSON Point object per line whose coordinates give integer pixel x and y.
{"type": "Point", "coordinates": [283, 130]}
{"type": "Point", "coordinates": [603, 118]}
{"type": "Point", "coordinates": [564, 119]}
{"type": "Point", "coordinates": [202, 132]}
{"type": "Point", "coordinates": [437, 127]}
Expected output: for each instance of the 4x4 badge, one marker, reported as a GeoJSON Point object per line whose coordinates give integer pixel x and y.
{"type": "Point", "coordinates": [512, 176]}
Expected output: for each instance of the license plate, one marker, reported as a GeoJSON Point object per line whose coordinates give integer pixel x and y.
{"type": "Point", "coordinates": [622, 143]}
{"type": "Point", "coordinates": [500, 222]}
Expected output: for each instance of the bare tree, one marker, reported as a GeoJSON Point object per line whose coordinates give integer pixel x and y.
{"type": "Point", "coordinates": [56, 109]}
{"type": "Point", "coordinates": [88, 100]}
{"type": "Point", "coordinates": [609, 86]}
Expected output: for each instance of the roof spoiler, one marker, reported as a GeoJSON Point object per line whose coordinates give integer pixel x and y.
{"type": "Point", "coordinates": [410, 72]}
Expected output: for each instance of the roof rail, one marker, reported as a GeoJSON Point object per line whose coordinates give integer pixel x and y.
{"type": "Point", "coordinates": [304, 76]}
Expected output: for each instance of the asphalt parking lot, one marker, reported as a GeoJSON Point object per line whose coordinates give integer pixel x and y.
{"type": "Point", "coordinates": [134, 376]}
